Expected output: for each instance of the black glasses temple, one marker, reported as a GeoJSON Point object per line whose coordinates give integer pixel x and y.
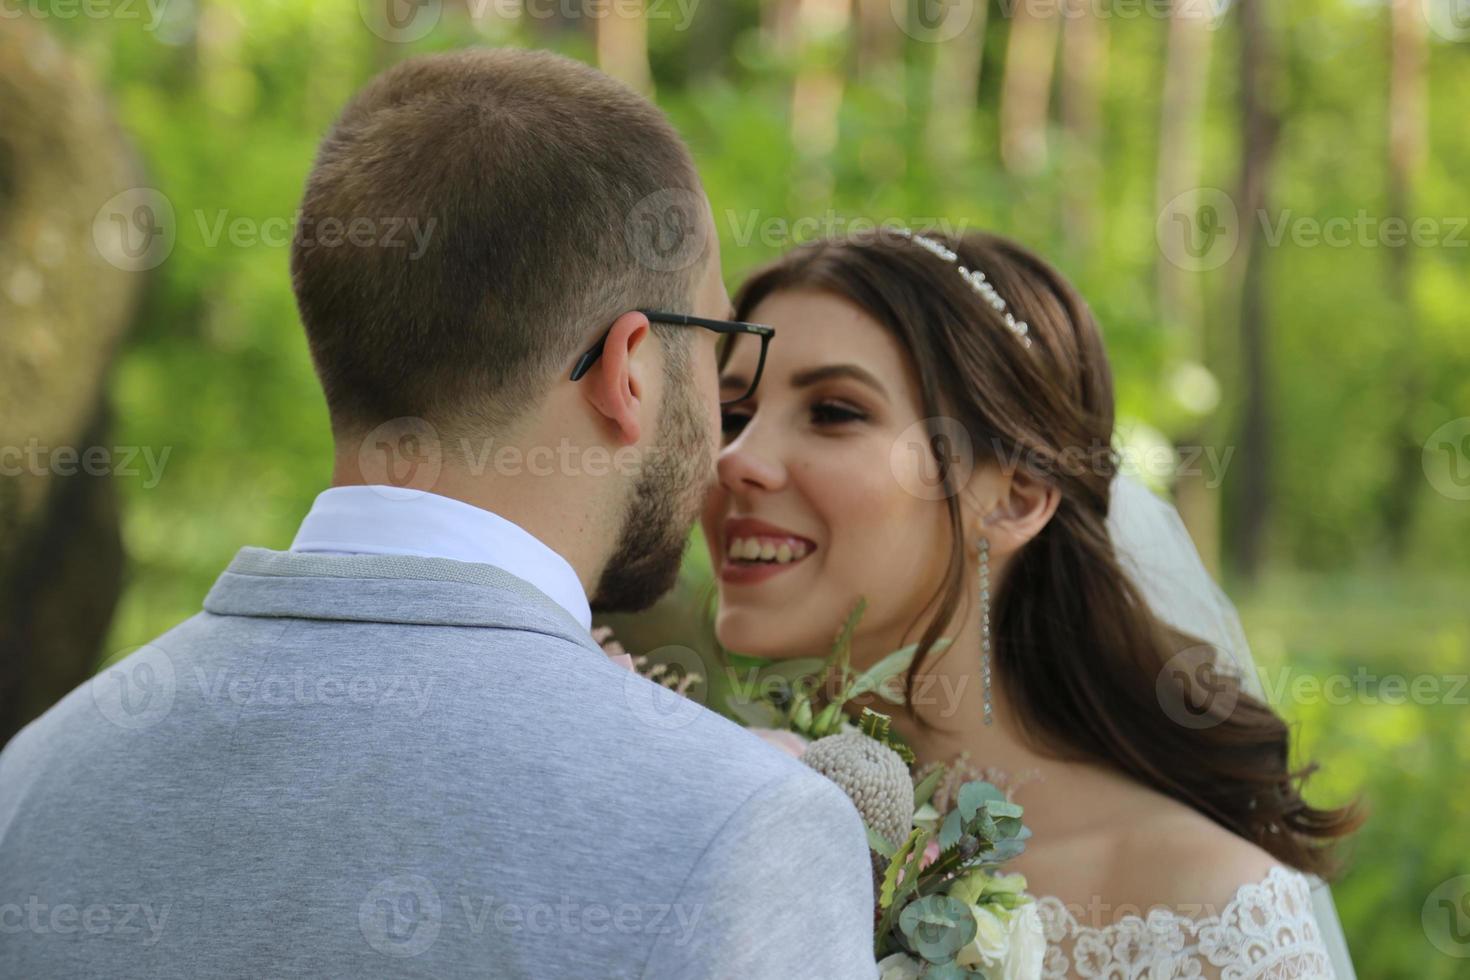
{"type": "Point", "coordinates": [585, 362]}
{"type": "Point", "coordinates": [718, 326]}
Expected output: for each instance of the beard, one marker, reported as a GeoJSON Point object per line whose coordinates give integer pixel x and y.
{"type": "Point", "coordinates": [661, 510]}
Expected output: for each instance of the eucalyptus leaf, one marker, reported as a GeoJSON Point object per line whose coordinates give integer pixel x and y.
{"type": "Point", "coordinates": [975, 794]}
{"type": "Point", "coordinates": [1004, 851]}
{"type": "Point", "coordinates": [937, 927]}
{"type": "Point", "coordinates": [983, 827]}
{"type": "Point", "coordinates": [1004, 808]}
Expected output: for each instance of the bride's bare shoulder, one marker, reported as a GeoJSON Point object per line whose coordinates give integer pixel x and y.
{"type": "Point", "coordinates": [1180, 859]}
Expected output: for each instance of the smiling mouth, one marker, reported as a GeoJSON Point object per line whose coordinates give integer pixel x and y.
{"type": "Point", "coordinates": [765, 549]}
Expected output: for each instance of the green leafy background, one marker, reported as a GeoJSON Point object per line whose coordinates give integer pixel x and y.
{"type": "Point", "coordinates": [226, 101]}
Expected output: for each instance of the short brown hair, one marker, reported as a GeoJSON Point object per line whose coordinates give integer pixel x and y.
{"type": "Point", "coordinates": [523, 172]}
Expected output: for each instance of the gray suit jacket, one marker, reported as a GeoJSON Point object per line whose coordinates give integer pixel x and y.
{"type": "Point", "coordinates": [364, 766]}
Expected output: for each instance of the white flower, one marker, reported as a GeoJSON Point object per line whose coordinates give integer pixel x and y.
{"type": "Point", "coordinates": [1028, 945]}
{"type": "Point", "coordinates": [1009, 941]}
{"type": "Point", "coordinates": [898, 966]}
{"type": "Point", "coordinates": [991, 943]}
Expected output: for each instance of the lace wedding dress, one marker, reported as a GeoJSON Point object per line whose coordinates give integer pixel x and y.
{"type": "Point", "coordinates": [1268, 931]}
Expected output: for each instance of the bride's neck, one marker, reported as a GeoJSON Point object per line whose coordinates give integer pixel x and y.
{"type": "Point", "coordinates": [943, 721]}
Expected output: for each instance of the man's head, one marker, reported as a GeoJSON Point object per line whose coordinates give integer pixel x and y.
{"type": "Point", "coordinates": [475, 221]}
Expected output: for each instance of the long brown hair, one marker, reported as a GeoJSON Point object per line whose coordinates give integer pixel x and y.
{"type": "Point", "coordinates": [1077, 650]}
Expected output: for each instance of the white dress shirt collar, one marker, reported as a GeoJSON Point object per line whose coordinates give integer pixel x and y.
{"type": "Point", "coordinates": [391, 521]}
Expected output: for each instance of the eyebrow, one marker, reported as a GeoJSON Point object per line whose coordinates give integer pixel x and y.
{"type": "Point", "coordinates": [828, 372]}
{"type": "Point", "coordinates": [816, 375]}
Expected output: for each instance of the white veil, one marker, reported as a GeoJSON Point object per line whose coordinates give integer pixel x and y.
{"type": "Point", "coordinates": [1156, 550]}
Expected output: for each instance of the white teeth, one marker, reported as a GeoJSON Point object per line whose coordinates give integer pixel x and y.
{"type": "Point", "coordinates": [757, 549]}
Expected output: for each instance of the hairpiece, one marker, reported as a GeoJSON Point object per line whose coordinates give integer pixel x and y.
{"type": "Point", "coordinates": [977, 282]}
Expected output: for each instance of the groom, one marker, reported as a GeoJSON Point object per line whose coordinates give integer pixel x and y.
{"type": "Point", "coordinates": [394, 750]}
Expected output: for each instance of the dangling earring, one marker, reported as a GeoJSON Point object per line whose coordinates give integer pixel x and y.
{"type": "Point", "coordinates": [985, 624]}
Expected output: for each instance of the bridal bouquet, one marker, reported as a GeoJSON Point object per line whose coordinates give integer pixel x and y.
{"type": "Point", "coordinates": [943, 908]}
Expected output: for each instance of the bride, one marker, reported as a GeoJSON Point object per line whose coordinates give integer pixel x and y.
{"type": "Point", "coordinates": [932, 432]}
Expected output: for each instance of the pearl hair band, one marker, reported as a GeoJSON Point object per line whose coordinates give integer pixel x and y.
{"type": "Point", "coordinates": [977, 281]}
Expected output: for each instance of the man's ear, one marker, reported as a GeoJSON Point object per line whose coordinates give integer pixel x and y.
{"type": "Point", "coordinates": [616, 385]}
{"type": "Point", "coordinates": [1011, 507]}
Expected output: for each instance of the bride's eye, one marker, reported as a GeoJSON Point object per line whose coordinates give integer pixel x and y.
{"type": "Point", "coordinates": [835, 413]}
{"type": "Point", "coordinates": [732, 420]}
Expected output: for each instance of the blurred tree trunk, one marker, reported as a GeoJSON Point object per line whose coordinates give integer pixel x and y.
{"type": "Point", "coordinates": [549, 24]}
{"type": "Point", "coordinates": [879, 41]}
{"type": "Point", "coordinates": [710, 33]}
{"type": "Point", "coordinates": [1180, 297]}
{"type": "Point", "coordinates": [1261, 127]}
{"type": "Point", "coordinates": [1407, 126]}
{"type": "Point", "coordinates": [1186, 72]}
{"type": "Point", "coordinates": [1084, 73]}
{"type": "Point", "coordinates": [622, 46]}
{"type": "Point", "coordinates": [779, 24]}
{"type": "Point", "coordinates": [816, 96]}
{"type": "Point", "coordinates": [1031, 54]}
{"type": "Point", "coordinates": [954, 87]}
{"type": "Point", "coordinates": [64, 307]}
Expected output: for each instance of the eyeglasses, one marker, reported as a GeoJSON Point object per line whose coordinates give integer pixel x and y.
{"type": "Point", "coordinates": [730, 328]}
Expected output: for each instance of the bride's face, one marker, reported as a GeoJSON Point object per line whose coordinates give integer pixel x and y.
{"type": "Point", "coordinates": [810, 510]}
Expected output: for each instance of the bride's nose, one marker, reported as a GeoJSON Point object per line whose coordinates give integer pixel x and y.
{"type": "Point", "coordinates": [744, 467]}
